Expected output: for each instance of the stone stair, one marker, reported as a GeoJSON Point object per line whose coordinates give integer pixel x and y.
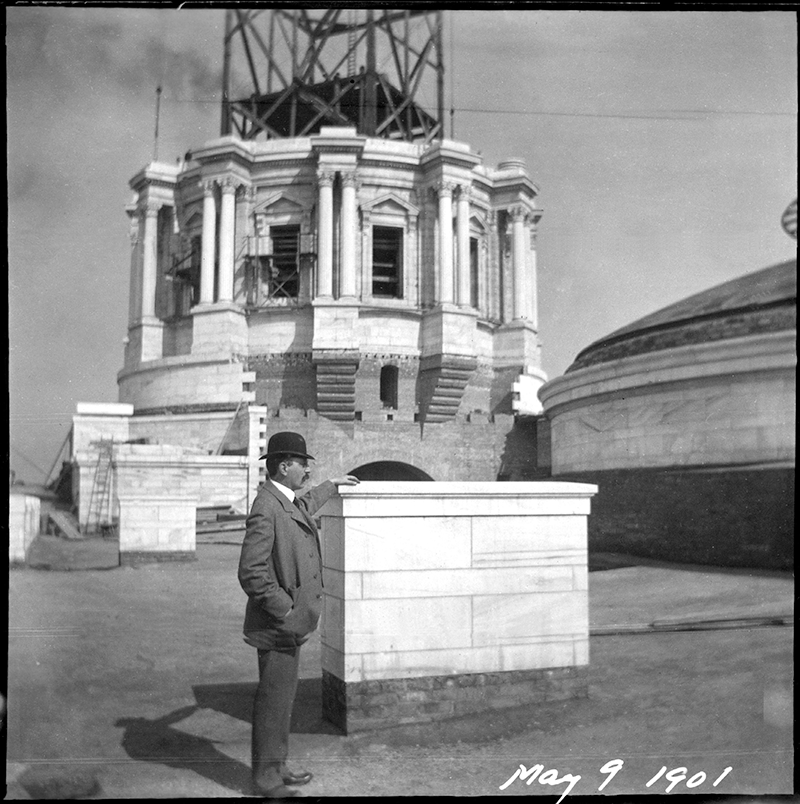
{"type": "Point", "coordinates": [336, 389]}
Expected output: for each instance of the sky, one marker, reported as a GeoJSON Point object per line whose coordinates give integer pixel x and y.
{"type": "Point", "coordinates": [663, 144]}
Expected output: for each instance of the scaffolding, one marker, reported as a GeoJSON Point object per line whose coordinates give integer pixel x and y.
{"type": "Point", "coordinates": [282, 72]}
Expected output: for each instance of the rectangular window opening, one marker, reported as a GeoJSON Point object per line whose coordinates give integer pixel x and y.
{"type": "Point", "coordinates": [389, 381]}
{"type": "Point", "coordinates": [282, 268]}
{"type": "Point", "coordinates": [387, 262]}
{"type": "Point", "coordinates": [473, 271]}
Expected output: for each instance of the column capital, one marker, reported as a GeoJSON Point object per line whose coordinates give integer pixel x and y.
{"type": "Point", "coordinates": [208, 186]}
{"type": "Point", "coordinates": [465, 192]}
{"type": "Point", "coordinates": [230, 185]}
{"type": "Point", "coordinates": [444, 189]}
{"type": "Point", "coordinates": [518, 213]}
{"type": "Point", "coordinates": [350, 179]}
{"type": "Point", "coordinates": [150, 208]}
{"type": "Point", "coordinates": [325, 177]}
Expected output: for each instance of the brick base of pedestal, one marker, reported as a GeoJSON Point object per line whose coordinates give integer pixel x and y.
{"type": "Point", "coordinates": [362, 705]}
{"type": "Point", "coordinates": [130, 558]}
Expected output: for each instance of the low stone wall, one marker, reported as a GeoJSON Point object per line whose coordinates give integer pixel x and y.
{"type": "Point", "coordinates": [24, 513]}
{"type": "Point", "coordinates": [448, 598]}
{"type": "Point", "coordinates": [725, 516]}
{"type": "Point", "coordinates": [159, 488]}
{"type": "Point", "coordinates": [156, 528]}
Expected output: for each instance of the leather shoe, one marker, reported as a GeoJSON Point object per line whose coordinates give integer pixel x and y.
{"type": "Point", "coordinates": [297, 777]}
{"type": "Point", "coordinates": [281, 791]}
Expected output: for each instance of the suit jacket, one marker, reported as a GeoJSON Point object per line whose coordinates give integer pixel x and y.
{"type": "Point", "coordinates": [280, 568]}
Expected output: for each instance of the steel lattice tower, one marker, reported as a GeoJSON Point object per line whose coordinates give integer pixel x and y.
{"type": "Point", "coordinates": [288, 72]}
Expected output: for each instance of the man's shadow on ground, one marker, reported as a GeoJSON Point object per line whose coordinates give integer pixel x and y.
{"type": "Point", "coordinates": [157, 740]}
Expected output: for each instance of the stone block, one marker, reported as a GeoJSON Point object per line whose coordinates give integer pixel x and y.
{"type": "Point", "coordinates": [333, 621]}
{"type": "Point", "coordinates": [474, 581]}
{"type": "Point", "coordinates": [343, 585]}
{"type": "Point", "coordinates": [580, 576]}
{"type": "Point", "coordinates": [581, 651]}
{"type": "Point", "coordinates": [373, 626]}
{"type": "Point", "coordinates": [415, 664]}
{"type": "Point", "coordinates": [536, 654]}
{"type": "Point", "coordinates": [407, 543]}
{"type": "Point", "coordinates": [342, 666]}
{"type": "Point", "coordinates": [518, 618]}
{"type": "Point", "coordinates": [530, 539]}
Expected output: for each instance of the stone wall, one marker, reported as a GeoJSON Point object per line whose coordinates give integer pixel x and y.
{"type": "Point", "coordinates": [159, 488]}
{"type": "Point", "coordinates": [208, 480]}
{"type": "Point", "coordinates": [722, 402]}
{"type": "Point", "coordinates": [196, 431]}
{"type": "Point", "coordinates": [734, 517]}
{"type": "Point", "coordinates": [95, 422]}
{"type": "Point", "coordinates": [470, 448]}
{"type": "Point", "coordinates": [185, 380]}
{"type": "Point", "coordinates": [448, 598]}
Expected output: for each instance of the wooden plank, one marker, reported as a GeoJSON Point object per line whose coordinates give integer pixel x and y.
{"type": "Point", "coordinates": [65, 524]}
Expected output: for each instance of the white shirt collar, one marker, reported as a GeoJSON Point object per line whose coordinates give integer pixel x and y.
{"type": "Point", "coordinates": [287, 492]}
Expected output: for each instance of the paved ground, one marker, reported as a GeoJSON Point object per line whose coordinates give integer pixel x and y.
{"type": "Point", "coordinates": [135, 683]}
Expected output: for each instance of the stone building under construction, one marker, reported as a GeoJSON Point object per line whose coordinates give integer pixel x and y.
{"type": "Point", "coordinates": [356, 278]}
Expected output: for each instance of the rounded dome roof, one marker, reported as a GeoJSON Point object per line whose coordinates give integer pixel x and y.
{"type": "Point", "coordinates": [763, 301]}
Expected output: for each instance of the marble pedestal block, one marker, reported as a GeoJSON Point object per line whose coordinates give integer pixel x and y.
{"type": "Point", "coordinates": [443, 599]}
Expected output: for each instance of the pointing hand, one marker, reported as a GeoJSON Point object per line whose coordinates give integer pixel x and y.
{"type": "Point", "coordinates": [347, 480]}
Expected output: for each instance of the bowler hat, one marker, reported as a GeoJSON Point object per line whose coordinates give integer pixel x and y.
{"type": "Point", "coordinates": [287, 444]}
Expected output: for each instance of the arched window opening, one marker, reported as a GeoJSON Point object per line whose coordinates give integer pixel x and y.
{"type": "Point", "coordinates": [389, 378]}
{"type": "Point", "coordinates": [390, 470]}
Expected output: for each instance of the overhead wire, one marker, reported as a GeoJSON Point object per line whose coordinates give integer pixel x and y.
{"type": "Point", "coordinates": [661, 114]}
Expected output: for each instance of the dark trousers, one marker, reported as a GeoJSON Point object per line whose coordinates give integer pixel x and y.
{"type": "Point", "coordinates": [272, 714]}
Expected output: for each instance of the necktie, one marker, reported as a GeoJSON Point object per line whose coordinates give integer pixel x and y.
{"type": "Point", "coordinates": [303, 513]}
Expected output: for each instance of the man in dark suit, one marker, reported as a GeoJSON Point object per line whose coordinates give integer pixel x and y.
{"type": "Point", "coordinates": [280, 569]}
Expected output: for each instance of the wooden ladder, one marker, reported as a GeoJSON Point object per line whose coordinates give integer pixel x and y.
{"type": "Point", "coordinates": [98, 512]}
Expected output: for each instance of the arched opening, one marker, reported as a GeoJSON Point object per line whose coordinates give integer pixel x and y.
{"type": "Point", "coordinates": [389, 470]}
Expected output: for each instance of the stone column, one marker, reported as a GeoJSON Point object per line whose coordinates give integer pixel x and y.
{"type": "Point", "coordinates": [149, 259]}
{"type": "Point", "coordinates": [462, 239]}
{"type": "Point", "coordinates": [445, 191]}
{"type": "Point", "coordinates": [209, 243]}
{"type": "Point", "coordinates": [533, 290]}
{"type": "Point", "coordinates": [411, 262]}
{"type": "Point", "coordinates": [366, 254]}
{"type": "Point", "coordinates": [519, 260]}
{"type": "Point", "coordinates": [325, 234]}
{"type": "Point", "coordinates": [135, 301]}
{"type": "Point", "coordinates": [347, 286]}
{"type": "Point", "coordinates": [494, 269]}
{"type": "Point", "coordinates": [226, 234]}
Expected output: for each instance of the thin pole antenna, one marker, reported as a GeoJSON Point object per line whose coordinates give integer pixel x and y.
{"type": "Point", "coordinates": [158, 112]}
